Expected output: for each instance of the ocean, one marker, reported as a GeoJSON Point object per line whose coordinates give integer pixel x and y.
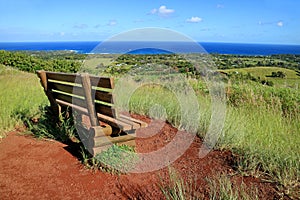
{"type": "Point", "coordinates": [153, 47]}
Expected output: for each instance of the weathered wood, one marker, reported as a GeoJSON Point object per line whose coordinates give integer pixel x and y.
{"type": "Point", "coordinates": [130, 122]}
{"type": "Point", "coordinates": [70, 99]}
{"type": "Point", "coordinates": [86, 84]}
{"type": "Point", "coordinates": [100, 131]}
{"type": "Point", "coordinates": [74, 90]}
{"type": "Point", "coordinates": [43, 77]}
{"type": "Point", "coordinates": [44, 81]}
{"type": "Point", "coordinates": [142, 124]}
{"type": "Point", "coordinates": [103, 141]}
{"type": "Point", "coordinates": [114, 122]}
{"type": "Point", "coordinates": [104, 96]}
{"type": "Point", "coordinates": [66, 77]}
{"type": "Point", "coordinates": [96, 150]}
{"type": "Point", "coordinates": [75, 107]}
{"type": "Point", "coordinates": [105, 109]}
{"type": "Point", "coordinates": [102, 82]}
{"type": "Point", "coordinates": [129, 143]}
{"type": "Point", "coordinates": [91, 96]}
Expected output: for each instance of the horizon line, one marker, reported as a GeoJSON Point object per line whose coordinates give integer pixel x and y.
{"type": "Point", "coordinates": [222, 42]}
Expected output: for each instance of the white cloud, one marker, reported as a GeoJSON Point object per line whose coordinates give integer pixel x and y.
{"type": "Point", "coordinates": [162, 11]}
{"type": "Point", "coordinates": [280, 23]}
{"type": "Point", "coordinates": [112, 23]}
{"type": "Point", "coordinates": [62, 33]}
{"type": "Point", "coordinates": [165, 11]}
{"type": "Point", "coordinates": [194, 20]}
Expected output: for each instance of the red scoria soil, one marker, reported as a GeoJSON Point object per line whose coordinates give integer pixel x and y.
{"type": "Point", "coordinates": [47, 169]}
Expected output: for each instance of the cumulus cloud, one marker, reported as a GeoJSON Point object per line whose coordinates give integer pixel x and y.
{"type": "Point", "coordinates": [194, 20]}
{"type": "Point", "coordinates": [162, 11]}
{"type": "Point", "coordinates": [280, 23]}
{"type": "Point", "coordinates": [165, 11]}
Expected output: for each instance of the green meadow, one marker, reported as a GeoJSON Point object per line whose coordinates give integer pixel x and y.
{"type": "Point", "coordinates": [20, 98]}
{"type": "Point", "coordinates": [261, 126]}
{"type": "Point", "coordinates": [291, 79]}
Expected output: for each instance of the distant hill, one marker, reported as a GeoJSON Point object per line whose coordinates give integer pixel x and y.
{"type": "Point", "coordinates": [292, 78]}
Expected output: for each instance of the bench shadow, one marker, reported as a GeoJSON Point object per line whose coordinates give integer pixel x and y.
{"type": "Point", "coordinates": [74, 148]}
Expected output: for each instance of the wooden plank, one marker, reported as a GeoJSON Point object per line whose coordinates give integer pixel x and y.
{"type": "Point", "coordinates": [48, 92]}
{"type": "Point", "coordinates": [102, 82]}
{"type": "Point", "coordinates": [75, 90]}
{"type": "Point", "coordinates": [100, 131]}
{"type": "Point", "coordinates": [97, 150]}
{"type": "Point", "coordinates": [86, 84]}
{"type": "Point", "coordinates": [70, 99]}
{"type": "Point", "coordinates": [129, 143]}
{"type": "Point", "coordinates": [128, 121]}
{"type": "Point", "coordinates": [65, 77]}
{"type": "Point", "coordinates": [76, 107]}
{"type": "Point", "coordinates": [43, 77]}
{"type": "Point", "coordinates": [114, 122]}
{"type": "Point", "coordinates": [103, 141]}
{"type": "Point", "coordinates": [142, 124]}
{"type": "Point", "coordinates": [104, 96]}
{"type": "Point", "coordinates": [105, 109]}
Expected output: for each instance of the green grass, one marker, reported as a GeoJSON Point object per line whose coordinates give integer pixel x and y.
{"type": "Point", "coordinates": [262, 123]}
{"type": "Point", "coordinates": [221, 188]}
{"type": "Point", "coordinates": [291, 79]}
{"type": "Point", "coordinates": [262, 127]}
{"type": "Point", "coordinates": [94, 64]}
{"type": "Point", "coordinates": [20, 97]}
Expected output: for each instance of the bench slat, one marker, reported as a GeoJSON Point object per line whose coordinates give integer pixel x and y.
{"type": "Point", "coordinates": [104, 96]}
{"type": "Point", "coordinates": [78, 108]}
{"type": "Point", "coordinates": [64, 77]}
{"type": "Point", "coordinates": [105, 109]}
{"type": "Point", "coordinates": [128, 121]}
{"type": "Point", "coordinates": [66, 88]}
{"type": "Point", "coordinates": [114, 122]}
{"type": "Point", "coordinates": [142, 124]}
{"type": "Point", "coordinates": [103, 141]}
{"type": "Point", "coordinates": [70, 99]}
{"type": "Point", "coordinates": [102, 82]}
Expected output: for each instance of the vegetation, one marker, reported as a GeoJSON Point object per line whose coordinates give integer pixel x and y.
{"type": "Point", "coordinates": [20, 98]}
{"type": "Point", "coordinates": [262, 119]}
{"type": "Point", "coordinates": [31, 62]}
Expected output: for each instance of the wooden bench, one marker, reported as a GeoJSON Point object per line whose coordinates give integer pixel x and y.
{"type": "Point", "coordinates": [100, 125]}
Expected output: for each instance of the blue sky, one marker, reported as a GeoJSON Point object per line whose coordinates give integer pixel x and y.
{"type": "Point", "coordinates": [255, 21]}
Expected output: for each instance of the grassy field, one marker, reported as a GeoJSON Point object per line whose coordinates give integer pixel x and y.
{"type": "Point", "coordinates": [261, 127]}
{"type": "Point", "coordinates": [20, 98]}
{"type": "Point", "coordinates": [291, 79]}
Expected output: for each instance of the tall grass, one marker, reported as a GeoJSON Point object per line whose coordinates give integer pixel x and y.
{"type": "Point", "coordinates": [262, 126]}
{"type": "Point", "coordinates": [20, 97]}
{"type": "Point", "coordinates": [221, 187]}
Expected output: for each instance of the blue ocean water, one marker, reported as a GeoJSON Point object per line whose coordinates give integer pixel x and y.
{"type": "Point", "coordinates": [154, 47]}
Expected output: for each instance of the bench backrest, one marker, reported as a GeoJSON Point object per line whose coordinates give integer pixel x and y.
{"type": "Point", "coordinates": [83, 92]}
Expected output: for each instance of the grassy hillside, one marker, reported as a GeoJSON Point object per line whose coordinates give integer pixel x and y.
{"type": "Point", "coordinates": [292, 78]}
{"type": "Point", "coordinates": [20, 97]}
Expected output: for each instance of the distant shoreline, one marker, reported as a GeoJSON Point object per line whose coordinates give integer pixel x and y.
{"type": "Point", "coordinates": [154, 47]}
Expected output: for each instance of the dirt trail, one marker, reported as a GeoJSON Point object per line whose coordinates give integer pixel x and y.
{"type": "Point", "coordinates": [45, 169]}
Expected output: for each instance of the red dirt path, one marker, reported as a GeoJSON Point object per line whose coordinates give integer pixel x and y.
{"type": "Point", "coordinates": [46, 169]}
